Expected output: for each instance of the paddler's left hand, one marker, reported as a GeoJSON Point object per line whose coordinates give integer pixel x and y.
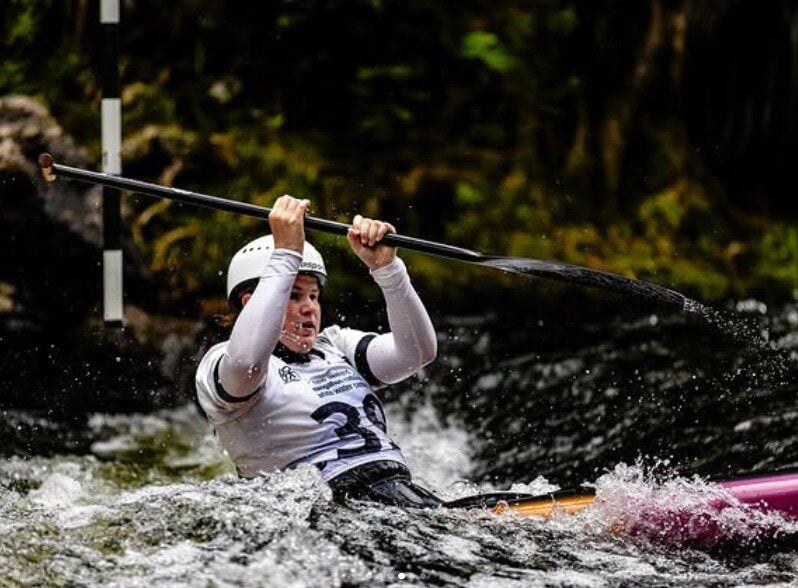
{"type": "Point", "coordinates": [364, 238]}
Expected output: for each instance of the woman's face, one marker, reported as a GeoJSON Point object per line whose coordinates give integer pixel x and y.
{"type": "Point", "coordinates": [303, 315]}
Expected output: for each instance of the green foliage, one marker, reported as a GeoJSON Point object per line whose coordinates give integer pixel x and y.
{"type": "Point", "coordinates": [563, 20]}
{"type": "Point", "coordinates": [486, 47]}
{"type": "Point", "coordinates": [483, 125]}
{"type": "Point", "coordinates": [23, 27]}
{"type": "Point", "coordinates": [776, 254]}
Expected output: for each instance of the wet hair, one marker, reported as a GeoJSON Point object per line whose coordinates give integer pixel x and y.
{"type": "Point", "coordinates": [234, 306]}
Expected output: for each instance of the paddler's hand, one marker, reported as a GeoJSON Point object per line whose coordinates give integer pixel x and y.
{"type": "Point", "coordinates": [287, 221]}
{"type": "Point", "coordinates": [364, 238]}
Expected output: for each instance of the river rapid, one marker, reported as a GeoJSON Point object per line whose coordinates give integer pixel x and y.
{"type": "Point", "coordinates": [645, 408]}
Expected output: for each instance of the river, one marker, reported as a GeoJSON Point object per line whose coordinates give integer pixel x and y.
{"type": "Point", "coordinates": [651, 406]}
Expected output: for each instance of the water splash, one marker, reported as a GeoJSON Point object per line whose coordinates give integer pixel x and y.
{"type": "Point", "coordinates": [440, 455]}
{"type": "Point", "coordinates": [657, 504]}
{"type": "Point", "coordinates": [282, 529]}
{"type": "Point", "coordinates": [736, 326]}
{"type": "Point", "coordinates": [57, 490]}
{"type": "Point", "coordinates": [157, 503]}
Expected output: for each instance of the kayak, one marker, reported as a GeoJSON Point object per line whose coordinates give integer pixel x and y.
{"type": "Point", "coordinates": [746, 508]}
{"type": "Point", "coordinates": [775, 494]}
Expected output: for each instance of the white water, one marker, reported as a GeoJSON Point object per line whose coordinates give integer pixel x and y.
{"type": "Point", "coordinates": [91, 521]}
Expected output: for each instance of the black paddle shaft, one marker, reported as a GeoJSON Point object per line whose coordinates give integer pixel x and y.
{"type": "Point", "coordinates": [562, 272]}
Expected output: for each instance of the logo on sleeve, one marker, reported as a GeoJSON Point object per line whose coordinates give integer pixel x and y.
{"type": "Point", "coordinates": [287, 374]}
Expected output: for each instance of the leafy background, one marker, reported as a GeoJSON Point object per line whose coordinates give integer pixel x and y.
{"type": "Point", "coordinates": [651, 138]}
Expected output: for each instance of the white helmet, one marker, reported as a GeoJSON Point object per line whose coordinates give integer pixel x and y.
{"type": "Point", "coordinates": [250, 261]}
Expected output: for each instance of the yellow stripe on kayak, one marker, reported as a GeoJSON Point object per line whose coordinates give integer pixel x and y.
{"type": "Point", "coordinates": [547, 505]}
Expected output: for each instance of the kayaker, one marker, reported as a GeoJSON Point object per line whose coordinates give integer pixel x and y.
{"type": "Point", "coordinates": [280, 393]}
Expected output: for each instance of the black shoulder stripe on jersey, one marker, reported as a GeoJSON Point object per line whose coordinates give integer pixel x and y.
{"type": "Point", "coordinates": [362, 364]}
{"type": "Point", "coordinates": [222, 393]}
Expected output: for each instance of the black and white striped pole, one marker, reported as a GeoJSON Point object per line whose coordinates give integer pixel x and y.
{"type": "Point", "coordinates": [113, 303]}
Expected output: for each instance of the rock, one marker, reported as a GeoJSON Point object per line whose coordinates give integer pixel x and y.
{"type": "Point", "coordinates": [55, 354]}
{"type": "Point", "coordinates": [26, 130]}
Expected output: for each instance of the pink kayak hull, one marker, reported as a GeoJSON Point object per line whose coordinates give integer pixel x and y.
{"type": "Point", "coordinates": [743, 510]}
{"type": "Point", "coordinates": [763, 507]}
{"type": "Point", "coordinates": [777, 493]}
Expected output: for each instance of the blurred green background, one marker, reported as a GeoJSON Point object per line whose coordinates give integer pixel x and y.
{"type": "Point", "coordinates": [651, 138]}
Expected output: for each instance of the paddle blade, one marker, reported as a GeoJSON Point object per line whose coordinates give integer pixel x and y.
{"type": "Point", "coordinates": [565, 272]}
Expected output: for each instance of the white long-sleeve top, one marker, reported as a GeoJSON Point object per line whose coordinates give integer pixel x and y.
{"type": "Point", "coordinates": [273, 408]}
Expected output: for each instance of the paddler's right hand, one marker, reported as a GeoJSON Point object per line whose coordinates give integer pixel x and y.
{"type": "Point", "coordinates": [287, 221]}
